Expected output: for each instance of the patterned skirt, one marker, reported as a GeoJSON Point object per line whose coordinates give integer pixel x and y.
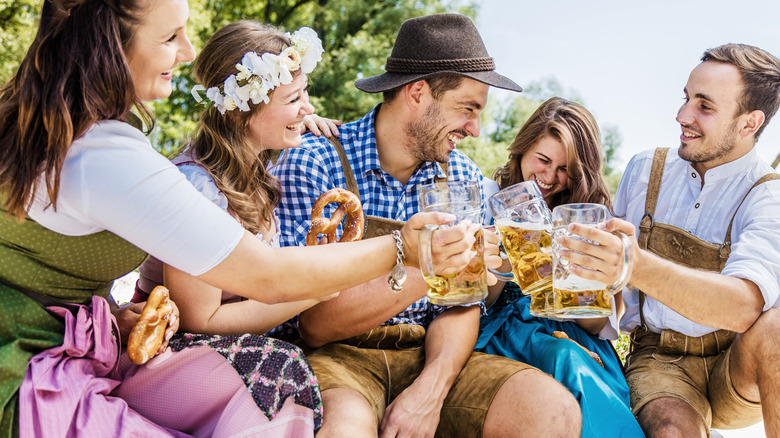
{"type": "Point", "coordinates": [271, 369]}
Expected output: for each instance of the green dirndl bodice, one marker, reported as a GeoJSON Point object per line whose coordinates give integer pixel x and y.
{"type": "Point", "coordinates": [66, 268]}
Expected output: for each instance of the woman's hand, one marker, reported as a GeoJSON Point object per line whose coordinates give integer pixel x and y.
{"type": "Point", "coordinates": [127, 316]}
{"type": "Point", "coordinates": [321, 126]}
{"type": "Point", "coordinates": [450, 247]}
{"type": "Point", "coordinates": [493, 259]}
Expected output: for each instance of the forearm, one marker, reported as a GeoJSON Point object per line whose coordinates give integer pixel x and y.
{"type": "Point", "coordinates": [359, 309]}
{"type": "Point", "coordinates": [707, 298]}
{"type": "Point", "coordinates": [253, 270]}
{"type": "Point", "coordinates": [248, 316]}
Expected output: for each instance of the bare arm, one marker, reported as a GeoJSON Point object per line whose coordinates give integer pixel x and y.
{"type": "Point", "coordinates": [359, 309]}
{"type": "Point", "coordinates": [707, 298]}
{"type": "Point", "coordinates": [202, 311]}
{"type": "Point", "coordinates": [449, 342]}
{"type": "Point", "coordinates": [273, 275]}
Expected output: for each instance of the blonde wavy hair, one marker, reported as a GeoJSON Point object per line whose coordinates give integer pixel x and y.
{"type": "Point", "coordinates": [221, 142]}
{"type": "Point", "coordinates": [576, 128]}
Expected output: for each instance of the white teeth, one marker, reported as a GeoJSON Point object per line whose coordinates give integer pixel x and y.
{"type": "Point", "coordinates": [689, 135]}
{"type": "Point", "coordinates": [295, 126]}
{"type": "Point", "coordinates": [453, 139]}
{"type": "Point", "coordinates": [543, 185]}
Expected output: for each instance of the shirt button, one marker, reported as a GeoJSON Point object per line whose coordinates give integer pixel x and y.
{"type": "Point", "coordinates": [693, 174]}
{"type": "Point", "coordinates": [697, 205]}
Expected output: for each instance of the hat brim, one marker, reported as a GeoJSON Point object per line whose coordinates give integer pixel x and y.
{"type": "Point", "coordinates": [388, 81]}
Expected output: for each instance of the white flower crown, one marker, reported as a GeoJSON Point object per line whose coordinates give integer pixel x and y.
{"type": "Point", "coordinates": [258, 75]}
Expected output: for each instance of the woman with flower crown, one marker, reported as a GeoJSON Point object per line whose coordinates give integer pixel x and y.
{"type": "Point", "coordinates": [85, 198]}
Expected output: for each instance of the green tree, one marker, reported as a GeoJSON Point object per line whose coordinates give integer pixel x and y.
{"type": "Point", "coordinates": [17, 28]}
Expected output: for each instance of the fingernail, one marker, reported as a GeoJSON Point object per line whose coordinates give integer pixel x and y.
{"type": "Point", "coordinates": [169, 335]}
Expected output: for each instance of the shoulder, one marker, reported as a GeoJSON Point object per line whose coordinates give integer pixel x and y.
{"type": "Point", "coordinates": [202, 180]}
{"type": "Point", "coordinates": [462, 167]}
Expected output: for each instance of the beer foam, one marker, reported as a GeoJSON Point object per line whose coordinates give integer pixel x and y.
{"type": "Point", "coordinates": [530, 226]}
{"type": "Point", "coordinates": [575, 283]}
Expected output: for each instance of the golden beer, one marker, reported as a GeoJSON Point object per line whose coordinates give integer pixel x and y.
{"type": "Point", "coordinates": [529, 247]}
{"type": "Point", "coordinates": [467, 286]}
{"type": "Point", "coordinates": [576, 297]}
{"type": "Point", "coordinates": [542, 303]}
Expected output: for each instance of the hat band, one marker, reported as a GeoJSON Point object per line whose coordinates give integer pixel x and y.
{"type": "Point", "coordinates": [403, 65]}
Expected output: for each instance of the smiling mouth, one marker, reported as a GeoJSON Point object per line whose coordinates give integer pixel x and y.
{"type": "Point", "coordinates": [454, 139]}
{"type": "Point", "coordinates": [542, 185]}
{"type": "Point", "coordinates": [295, 126]}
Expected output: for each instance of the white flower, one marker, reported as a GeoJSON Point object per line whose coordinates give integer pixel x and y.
{"type": "Point", "coordinates": [258, 75]}
{"type": "Point", "coordinates": [291, 58]}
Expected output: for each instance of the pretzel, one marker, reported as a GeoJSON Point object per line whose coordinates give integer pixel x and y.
{"type": "Point", "coordinates": [147, 334]}
{"type": "Point", "coordinates": [562, 335]}
{"type": "Point", "coordinates": [350, 205]}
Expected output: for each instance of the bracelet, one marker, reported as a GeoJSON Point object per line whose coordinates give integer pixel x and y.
{"type": "Point", "coordinates": [398, 275]}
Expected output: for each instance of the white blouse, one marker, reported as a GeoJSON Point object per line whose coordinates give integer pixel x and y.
{"type": "Point", "coordinates": [112, 179]}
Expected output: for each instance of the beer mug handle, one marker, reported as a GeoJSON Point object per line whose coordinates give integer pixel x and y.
{"type": "Point", "coordinates": [624, 272]}
{"type": "Point", "coordinates": [503, 276]}
{"type": "Point", "coordinates": [426, 260]}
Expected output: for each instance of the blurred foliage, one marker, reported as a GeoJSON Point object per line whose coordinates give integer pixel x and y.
{"type": "Point", "coordinates": [357, 36]}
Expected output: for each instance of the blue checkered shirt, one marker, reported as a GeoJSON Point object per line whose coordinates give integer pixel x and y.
{"type": "Point", "coordinates": [314, 168]}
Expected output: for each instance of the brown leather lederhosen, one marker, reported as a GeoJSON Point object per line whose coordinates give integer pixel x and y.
{"type": "Point", "coordinates": [375, 225]}
{"type": "Point", "coordinates": [681, 247]}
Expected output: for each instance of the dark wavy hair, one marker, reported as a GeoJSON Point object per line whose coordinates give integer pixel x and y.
{"type": "Point", "coordinates": [222, 142]}
{"type": "Point", "coordinates": [574, 126]}
{"type": "Point", "coordinates": [74, 74]}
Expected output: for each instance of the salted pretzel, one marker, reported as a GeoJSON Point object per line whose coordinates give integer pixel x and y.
{"type": "Point", "coordinates": [350, 205]}
{"type": "Point", "coordinates": [148, 332]}
{"type": "Point", "coordinates": [562, 335]}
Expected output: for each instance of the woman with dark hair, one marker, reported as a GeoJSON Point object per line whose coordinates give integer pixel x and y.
{"type": "Point", "coordinates": [85, 198]}
{"type": "Point", "coordinates": [559, 148]}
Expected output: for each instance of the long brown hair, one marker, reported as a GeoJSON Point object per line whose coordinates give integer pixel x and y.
{"type": "Point", "coordinates": [222, 141]}
{"type": "Point", "coordinates": [74, 74]}
{"type": "Point", "coordinates": [575, 127]}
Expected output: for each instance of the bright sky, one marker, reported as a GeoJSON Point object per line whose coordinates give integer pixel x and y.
{"type": "Point", "coordinates": [627, 60]}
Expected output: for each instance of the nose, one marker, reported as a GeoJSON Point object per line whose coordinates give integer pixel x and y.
{"type": "Point", "coordinates": [473, 126]}
{"type": "Point", "coordinates": [187, 51]}
{"type": "Point", "coordinates": [684, 116]}
{"type": "Point", "coordinates": [307, 108]}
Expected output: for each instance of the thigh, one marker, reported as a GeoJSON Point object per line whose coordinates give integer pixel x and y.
{"type": "Point", "coordinates": [729, 409]}
{"type": "Point", "coordinates": [467, 403]}
{"type": "Point", "coordinates": [378, 375]}
{"type": "Point", "coordinates": [652, 376]}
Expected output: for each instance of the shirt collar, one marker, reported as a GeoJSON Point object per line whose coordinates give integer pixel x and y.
{"type": "Point", "coordinates": [740, 166]}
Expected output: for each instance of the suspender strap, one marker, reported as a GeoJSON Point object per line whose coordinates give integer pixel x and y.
{"type": "Point", "coordinates": [651, 199]}
{"type": "Point", "coordinates": [763, 179]}
{"type": "Point", "coordinates": [348, 174]}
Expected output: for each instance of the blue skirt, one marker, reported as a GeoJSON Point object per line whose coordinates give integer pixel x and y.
{"type": "Point", "coordinates": [511, 331]}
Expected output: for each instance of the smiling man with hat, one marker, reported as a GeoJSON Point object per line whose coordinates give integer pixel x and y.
{"type": "Point", "coordinates": [393, 362]}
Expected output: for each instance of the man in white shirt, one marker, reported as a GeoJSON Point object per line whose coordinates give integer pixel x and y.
{"type": "Point", "coordinates": [706, 258]}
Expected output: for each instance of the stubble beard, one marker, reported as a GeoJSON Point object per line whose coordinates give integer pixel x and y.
{"type": "Point", "coordinates": [425, 136]}
{"type": "Point", "coordinates": [723, 147]}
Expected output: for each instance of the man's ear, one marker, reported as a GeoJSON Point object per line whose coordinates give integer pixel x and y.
{"type": "Point", "coordinates": [414, 93]}
{"type": "Point", "coordinates": [753, 122]}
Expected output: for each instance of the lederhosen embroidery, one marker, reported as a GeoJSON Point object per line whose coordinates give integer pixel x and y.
{"type": "Point", "coordinates": [681, 247]}
{"type": "Point", "coordinates": [375, 225]}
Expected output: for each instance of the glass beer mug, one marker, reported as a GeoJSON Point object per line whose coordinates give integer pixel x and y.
{"type": "Point", "coordinates": [574, 296]}
{"type": "Point", "coordinates": [464, 201]}
{"type": "Point", "coordinates": [525, 226]}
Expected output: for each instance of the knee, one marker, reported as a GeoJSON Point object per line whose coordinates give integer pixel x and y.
{"type": "Point", "coordinates": [764, 331]}
{"type": "Point", "coordinates": [346, 413]}
{"type": "Point", "coordinates": [534, 402]}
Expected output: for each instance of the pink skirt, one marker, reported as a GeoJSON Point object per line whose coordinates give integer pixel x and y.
{"type": "Point", "coordinates": [85, 388]}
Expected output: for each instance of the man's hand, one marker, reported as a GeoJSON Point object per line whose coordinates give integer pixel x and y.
{"type": "Point", "coordinates": [414, 413]}
{"type": "Point", "coordinates": [602, 261]}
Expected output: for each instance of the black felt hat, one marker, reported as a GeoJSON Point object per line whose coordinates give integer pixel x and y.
{"type": "Point", "coordinates": [435, 44]}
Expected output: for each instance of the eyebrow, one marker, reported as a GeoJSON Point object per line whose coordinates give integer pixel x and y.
{"type": "Point", "coordinates": [699, 96]}
{"type": "Point", "coordinates": [471, 103]}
